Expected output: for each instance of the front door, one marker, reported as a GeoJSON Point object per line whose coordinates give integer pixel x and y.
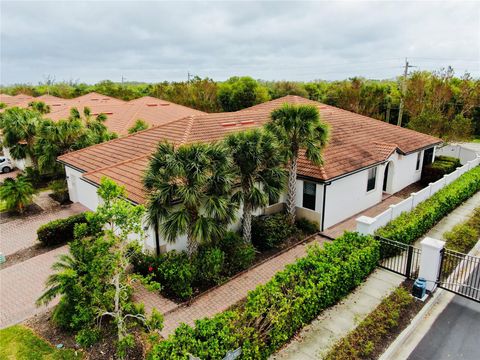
{"type": "Point", "coordinates": [385, 177]}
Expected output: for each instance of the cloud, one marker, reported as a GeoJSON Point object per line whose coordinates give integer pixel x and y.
{"type": "Point", "coordinates": [155, 41]}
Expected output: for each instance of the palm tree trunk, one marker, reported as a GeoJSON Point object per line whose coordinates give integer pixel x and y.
{"type": "Point", "coordinates": [192, 245]}
{"type": "Point", "coordinates": [292, 189]}
{"type": "Point", "coordinates": [247, 223]}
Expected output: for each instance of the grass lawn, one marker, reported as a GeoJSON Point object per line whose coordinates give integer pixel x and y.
{"type": "Point", "coordinates": [20, 343]}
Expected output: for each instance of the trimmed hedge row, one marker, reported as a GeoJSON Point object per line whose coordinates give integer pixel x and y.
{"type": "Point", "coordinates": [274, 312]}
{"type": "Point", "coordinates": [441, 166]}
{"type": "Point", "coordinates": [59, 231]}
{"type": "Point", "coordinates": [410, 226]}
{"type": "Point", "coordinates": [464, 236]}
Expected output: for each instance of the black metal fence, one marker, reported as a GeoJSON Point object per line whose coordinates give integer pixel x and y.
{"type": "Point", "coordinates": [398, 257]}
{"type": "Point", "coordinates": [460, 274]}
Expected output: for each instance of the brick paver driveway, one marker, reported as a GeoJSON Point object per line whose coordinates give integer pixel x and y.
{"type": "Point", "coordinates": [21, 233]}
{"type": "Point", "coordinates": [22, 284]}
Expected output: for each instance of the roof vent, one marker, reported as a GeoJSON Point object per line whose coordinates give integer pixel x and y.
{"type": "Point", "coordinates": [164, 104]}
{"type": "Point", "coordinates": [152, 104]}
{"type": "Point", "coordinates": [247, 122]}
{"type": "Point", "coordinates": [225, 124]}
{"type": "Point", "coordinates": [108, 113]}
{"type": "Point", "coordinates": [56, 104]}
{"type": "Point", "coordinates": [94, 99]}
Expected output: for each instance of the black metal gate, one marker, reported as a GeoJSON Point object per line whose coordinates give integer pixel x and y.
{"type": "Point", "coordinates": [398, 257]}
{"type": "Point", "coordinates": [460, 274]}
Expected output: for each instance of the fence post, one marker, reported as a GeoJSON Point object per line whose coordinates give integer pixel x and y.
{"type": "Point", "coordinates": [365, 225]}
{"type": "Point", "coordinates": [430, 261]}
{"type": "Point", "coordinates": [409, 261]}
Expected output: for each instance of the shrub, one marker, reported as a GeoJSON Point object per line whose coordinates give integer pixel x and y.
{"type": "Point", "coordinates": [238, 254]}
{"type": "Point", "coordinates": [273, 312]}
{"type": "Point", "coordinates": [17, 193]}
{"type": "Point", "coordinates": [59, 231]}
{"type": "Point", "coordinates": [464, 236]}
{"type": "Point", "coordinates": [441, 166]}
{"type": "Point", "coordinates": [306, 226]}
{"type": "Point", "coordinates": [209, 264]}
{"type": "Point", "coordinates": [60, 190]}
{"type": "Point", "coordinates": [409, 226]}
{"type": "Point", "coordinates": [269, 231]}
{"type": "Point", "coordinates": [380, 324]}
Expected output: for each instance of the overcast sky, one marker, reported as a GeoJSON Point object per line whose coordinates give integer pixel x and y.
{"type": "Point", "coordinates": [152, 41]}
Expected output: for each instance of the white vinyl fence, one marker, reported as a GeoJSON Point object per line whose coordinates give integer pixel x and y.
{"type": "Point", "coordinates": [368, 225]}
{"type": "Point", "coordinates": [456, 151]}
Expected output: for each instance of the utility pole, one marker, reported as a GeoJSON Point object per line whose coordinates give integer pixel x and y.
{"type": "Point", "coordinates": [404, 92]}
{"type": "Point", "coordinates": [189, 76]}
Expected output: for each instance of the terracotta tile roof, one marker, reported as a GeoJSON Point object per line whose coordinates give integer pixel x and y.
{"type": "Point", "coordinates": [10, 100]}
{"type": "Point", "coordinates": [121, 115]}
{"type": "Point", "coordinates": [356, 142]}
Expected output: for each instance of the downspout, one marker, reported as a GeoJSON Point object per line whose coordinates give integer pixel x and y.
{"type": "Point", "coordinates": [323, 205]}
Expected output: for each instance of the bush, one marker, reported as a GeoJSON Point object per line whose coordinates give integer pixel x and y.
{"type": "Point", "coordinates": [59, 231]}
{"type": "Point", "coordinates": [464, 236]}
{"type": "Point", "coordinates": [441, 166]}
{"type": "Point", "coordinates": [307, 227]}
{"type": "Point", "coordinates": [269, 231]}
{"type": "Point", "coordinates": [238, 254]}
{"type": "Point", "coordinates": [60, 190]}
{"type": "Point", "coordinates": [209, 263]}
{"type": "Point", "coordinates": [378, 326]}
{"type": "Point", "coordinates": [410, 226]}
{"type": "Point", "coordinates": [274, 312]}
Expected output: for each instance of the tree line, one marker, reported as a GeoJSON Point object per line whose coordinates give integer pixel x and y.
{"type": "Point", "coordinates": [437, 103]}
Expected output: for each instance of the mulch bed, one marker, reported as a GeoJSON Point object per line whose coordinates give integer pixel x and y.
{"type": "Point", "coordinates": [6, 216]}
{"type": "Point", "coordinates": [105, 349]}
{"type": "Point", "coordinates": [25, 254]}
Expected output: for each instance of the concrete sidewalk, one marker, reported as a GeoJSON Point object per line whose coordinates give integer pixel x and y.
{"type": "Point", "coordinates": [317, 338]}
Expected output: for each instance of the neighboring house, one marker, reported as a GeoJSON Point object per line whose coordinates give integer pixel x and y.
{"type": "Point", "coordinates": [364, 159]}
{"type": "Point", "coordinates": [121, 115]}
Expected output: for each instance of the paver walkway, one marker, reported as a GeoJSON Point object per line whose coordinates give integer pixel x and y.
{"type": "Point", "coordinates": [350, 224]}
{"type": "Point", "coordinates": [21, 233]}
{"type": "Point", "coordinates": [230, 293]}
{"type": "Point", "coordinates": [22, 284]}
{"type": "Point", "coordinates": [315, 339]}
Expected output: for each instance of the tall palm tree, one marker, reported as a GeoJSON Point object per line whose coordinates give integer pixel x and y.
{"type": "Point", "coordinates": [259, 167]}
{"type": "Point", "coordinates": [17, 193]}
{"type": "Point", "coordinates": [189, 192]}
{"type": "Point", "coordinates": [19, 128]}
{"type": "Point", "coordinates": [298, 127]}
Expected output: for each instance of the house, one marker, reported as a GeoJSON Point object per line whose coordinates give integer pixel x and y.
{"type": "Point", "coordinates": [121, 115]}
{"type": "Point", "coordinates": [364, 160]}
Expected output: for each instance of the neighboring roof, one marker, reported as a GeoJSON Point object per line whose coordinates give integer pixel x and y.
{"type": "Point", "coordinates": [10, 100]}
{"type": "Point", "coordinates": [356, 142]}
{"type": "Point", "coordinates": [121, 115]}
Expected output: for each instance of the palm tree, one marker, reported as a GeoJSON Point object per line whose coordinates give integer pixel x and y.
{"type": "Point", "coordinates": [139, 125]}
{"type": "Point", "coordinates": [17, 193]}
{"type": "Point", "coordinates": [259, 167]}
{"type": "Point", "coordinates": [19, 128]}
{"type": "Point", "coordinates": [189, 192]}
{"type": "Point", "coordinates": [298, 127]}
{"type": "Point", "coordinates": [39, 106]}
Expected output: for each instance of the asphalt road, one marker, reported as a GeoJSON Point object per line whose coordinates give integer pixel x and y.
{"type": "Point", "coordinates": [455, 334]}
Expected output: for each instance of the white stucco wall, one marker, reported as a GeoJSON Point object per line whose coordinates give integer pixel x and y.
{"type": "Point", "coordinates": [347, 196]}
{"type": "Point", "coordinates": [80, 190]}
{"type": "Point", "coordinates": [402, 171]}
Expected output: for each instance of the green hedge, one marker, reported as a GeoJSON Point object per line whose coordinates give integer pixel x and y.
{"type": "Point", "coordinates": [59, 231]}
{"type": "Point", "coordinates": [274, 312]}
{"type": "Point", "coordinates": [410, 226]}
{"type": "Point", "coordinates": [464, 236]}
{"type": "Point", "coordinates": [441, 166]}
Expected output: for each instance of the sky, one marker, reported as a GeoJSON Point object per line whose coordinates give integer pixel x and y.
{"type": "Point", "coordinates": [90, 41]}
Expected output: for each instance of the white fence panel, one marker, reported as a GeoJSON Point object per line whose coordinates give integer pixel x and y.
{"type": "Point", "coordinates": [437, 185]}
{"type": "Point", "coordinates": [420, 196]}
{"type": "Point", "coordinates": [456, 151]}
{"type": "Point", "coordinates": [402, 206]}
{"type": "Point", "coordinates": [384, 218]}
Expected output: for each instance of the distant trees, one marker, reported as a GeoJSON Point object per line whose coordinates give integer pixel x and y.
{"type": "Point", "coordinates": [241, 92]}
{"type": "Point", "coordinates": [440, 93]}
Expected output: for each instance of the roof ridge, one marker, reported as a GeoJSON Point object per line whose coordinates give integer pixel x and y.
{"type": "Point", "coordinates": [186, 134]}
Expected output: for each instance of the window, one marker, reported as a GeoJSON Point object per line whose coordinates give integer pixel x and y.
{"type": "Point", "coordinates": [419, 155]}
{"type": "Point", "coordinates": [372, 177]}
{"type": "Point", "coordinates": [309, 195]}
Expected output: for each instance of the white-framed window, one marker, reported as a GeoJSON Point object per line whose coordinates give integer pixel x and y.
{"type": "Point", "coordinates": [372, 179]}
{"type": "Point", "coordinates": [417, 166]}
{"type": "Point", "coordinates": [309, 195]}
